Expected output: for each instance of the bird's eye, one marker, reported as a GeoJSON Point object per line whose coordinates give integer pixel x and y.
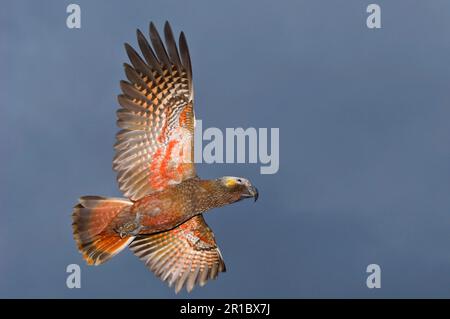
{"type": "Point", "coordinates": [239, 180]}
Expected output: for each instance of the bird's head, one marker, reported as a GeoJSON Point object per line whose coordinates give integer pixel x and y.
{"type": "Point", "coordinates": [239, 187]}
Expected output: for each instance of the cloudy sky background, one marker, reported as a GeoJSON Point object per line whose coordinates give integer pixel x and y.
{"type": "Point", "coordinates": [364, 152]}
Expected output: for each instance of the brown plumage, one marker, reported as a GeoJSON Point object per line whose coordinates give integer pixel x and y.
{"type": "Point", "coordinates": [161, 221]}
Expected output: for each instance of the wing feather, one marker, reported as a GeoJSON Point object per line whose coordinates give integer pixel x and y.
{"type": "Point", "coordinates": [171, 45]}
{"type": "Point", "coordinates": [154, 149]}
{"type": "Point", "coordinates": [148, 53]}
{"type": "Point", "coordinates": [184, 256]}
{"type": "Point", "coordinates": [158, 45]}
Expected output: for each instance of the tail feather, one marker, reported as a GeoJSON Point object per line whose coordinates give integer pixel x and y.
{"type": "Point", "coordinates": [91, 218]}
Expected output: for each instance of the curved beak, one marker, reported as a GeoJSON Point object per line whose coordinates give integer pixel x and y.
{"type": "Point", "coordinates": [256, 194]}
{"type": "Point", "coordinates": [252, 192]}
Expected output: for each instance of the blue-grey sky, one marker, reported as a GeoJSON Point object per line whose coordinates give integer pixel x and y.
{"type": "Point", "coordinates": [364, 143]}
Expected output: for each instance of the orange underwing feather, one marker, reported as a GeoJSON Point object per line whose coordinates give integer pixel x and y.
{"type": "Point", "coordinates": [154, 149]}
{"type": "Point", "coordinates": [184, 256]}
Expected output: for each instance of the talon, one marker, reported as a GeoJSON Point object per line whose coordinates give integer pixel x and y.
{"type": "Point", "coordinates": [131, 228]}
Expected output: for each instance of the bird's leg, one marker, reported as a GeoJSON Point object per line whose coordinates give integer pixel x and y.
{"type": "Point", "coordinates": [131, 228]}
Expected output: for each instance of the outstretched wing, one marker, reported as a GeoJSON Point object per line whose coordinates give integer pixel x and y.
{"type": "Point", "coordinates": [155, 147]}
{"type": "Point", "coordinates": [184, 256]}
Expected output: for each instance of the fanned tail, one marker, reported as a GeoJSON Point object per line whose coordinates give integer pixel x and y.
{"type": "Point", "coordinates": [91, 218]}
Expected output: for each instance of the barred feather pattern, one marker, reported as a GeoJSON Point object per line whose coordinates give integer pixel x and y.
{"type": "Point", "coordinates": [184, 256]}
{"type": "Point", "coordinates": [154, 149]}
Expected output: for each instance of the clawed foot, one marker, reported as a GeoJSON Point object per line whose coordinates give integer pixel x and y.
{"type": "Point", "coordinates": [130, 228]}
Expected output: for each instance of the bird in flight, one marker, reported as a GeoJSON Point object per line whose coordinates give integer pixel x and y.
{"type": "Point", "coordinates": [161, 218]}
